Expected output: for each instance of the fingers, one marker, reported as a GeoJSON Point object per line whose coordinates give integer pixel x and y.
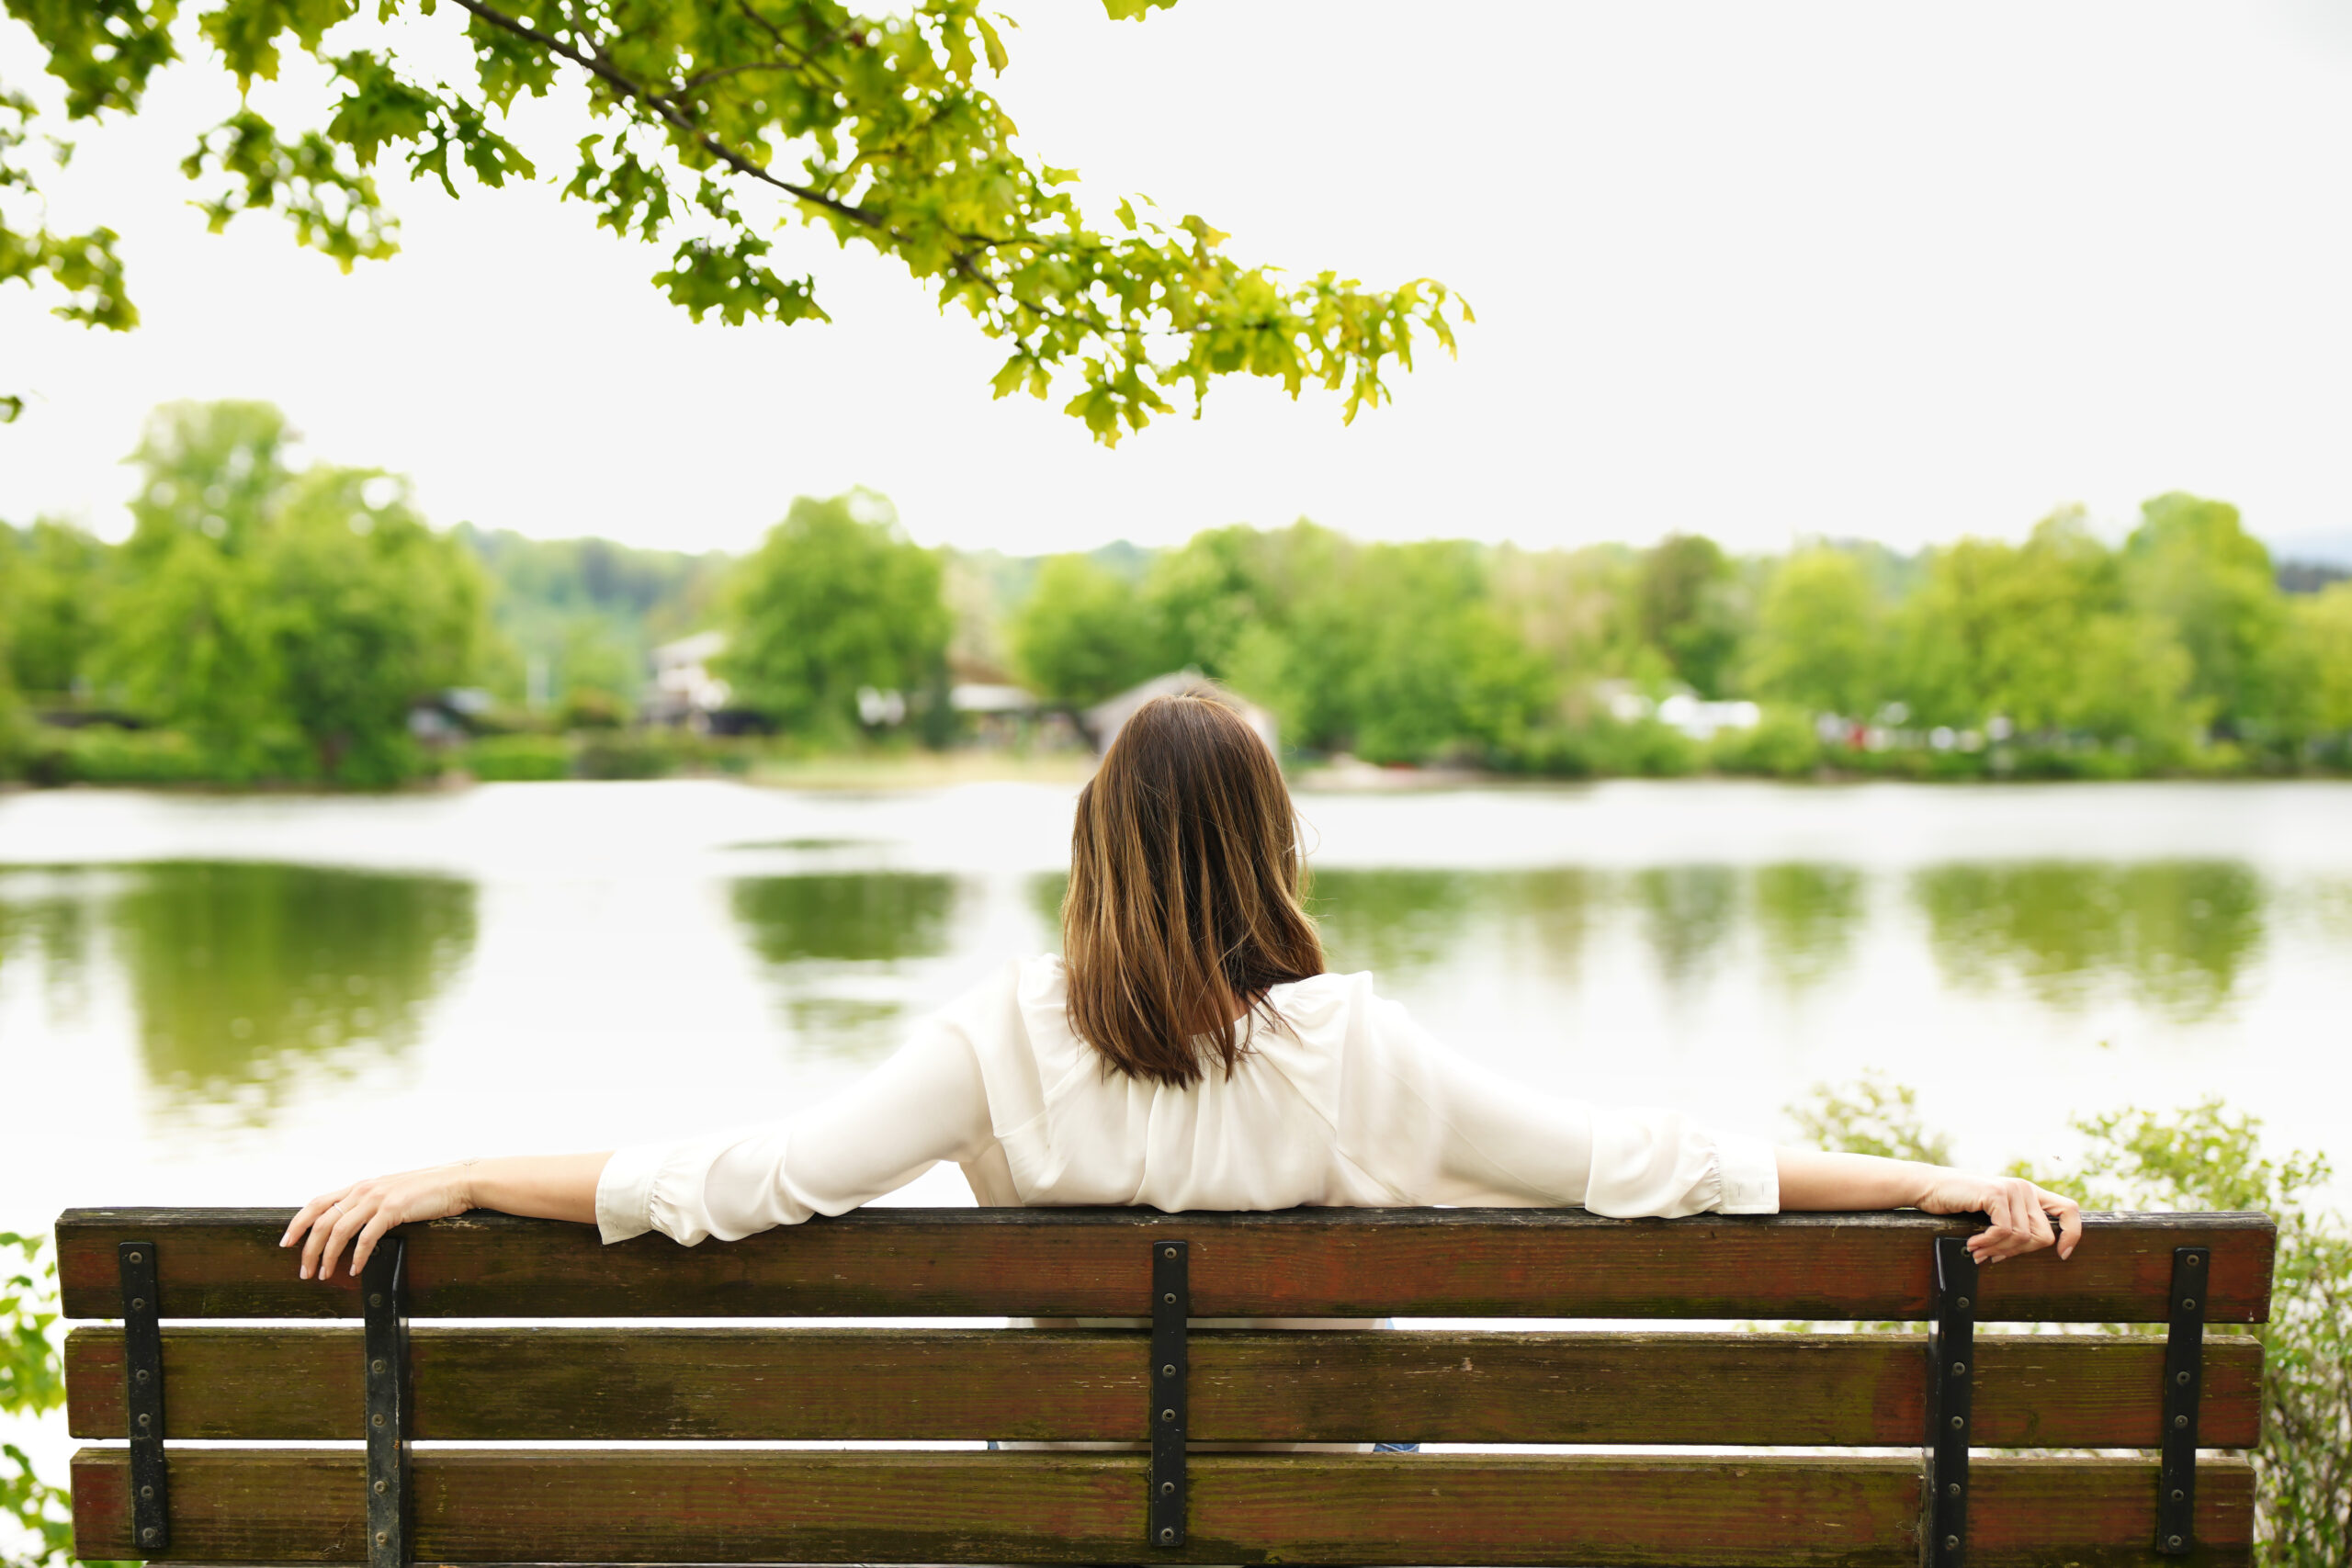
{"type": "Point", "coordinates": [309, 1216]}
{"type": "Point", "coordinates": [2069, 1215]}
{"type": "Point", "coordinates": [356, 1213]}
{"type": "Point", "coordinates": [2025, 1219]}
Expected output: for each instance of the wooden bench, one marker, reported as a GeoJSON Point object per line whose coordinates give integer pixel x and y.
{"type": "Point", "coordinates": [460, 1418]}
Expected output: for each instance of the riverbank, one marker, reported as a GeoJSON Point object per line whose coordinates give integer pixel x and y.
{"type": "Point", "coordinates": [1789, 752]}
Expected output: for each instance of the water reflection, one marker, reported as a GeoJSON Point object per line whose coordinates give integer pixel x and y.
{"type": "Point", "coordinates": [47, 930]}
{"type": "Point", "coordinates": [243, 974]}
{"type": "Point", "coordinates": [1807, 918]}
{"type": "Point", "coordinates": [2183, 933]}
{"type": "Point", "coordinates": [834, 944]}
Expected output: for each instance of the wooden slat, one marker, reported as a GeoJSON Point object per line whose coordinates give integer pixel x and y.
{"type": "Point", "coordinates": [1299, 1263]}
{"type": "Point", "coordinates": [662, 1384]}
{"type": "Point", "coordinates": [608, 1507]}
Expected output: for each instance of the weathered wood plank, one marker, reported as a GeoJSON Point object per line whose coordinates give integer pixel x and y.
{"type": "Point", "coordinates": [302, 1384]}
{"type": "Point", "coordinates": [1300, 1263]}
{"type": "Point", "coordinates": [508, 1506]}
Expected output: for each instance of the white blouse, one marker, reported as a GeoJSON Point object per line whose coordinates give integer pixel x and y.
{"type": "Point", "coordinates": [1347, 1102]}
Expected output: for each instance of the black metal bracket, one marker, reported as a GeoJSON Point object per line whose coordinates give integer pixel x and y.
{"type": "Point", "coordinates": [383, 1288]}
{"type": "Point", "coordinates": [1171, 1304]}
{"type": "Point", "coordinates": [1951, 1386]}
{"type": "Point", "coordinates": [2184, 1381]}
{"type": "Point", "coordinates": [142, 1396]}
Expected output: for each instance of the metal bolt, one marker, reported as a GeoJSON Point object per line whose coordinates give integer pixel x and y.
{"type": "Point", "coordinates": [2181, 1378]}
{"type": "Point", "coordinates": [139, 1303]}
{"type": "Point", "coordinates": [143, 1374]}
{"type": "Point", "coordinates": [2188, 1303]}
{"type": "Point", "coordinates": [2172, 1541]}
{"type": "Point", "coordinates": [1951, 1543]}
{"type": "Point", "coordinates": [1168, 1252]}
{"type": "Point", "coordinates": [1952, 1490]}
{"type": "Point", "coordinates": [375, 1298]}
{"type": "Point", "coordinates": [377, 1420]}
{"type": "Point", "coordinates": [1957, 1422]}
{"type": "Point", "coordinates": [1168, 1535]}
{"type": "Point", "coordinates": [379, 1488]}
{"type": "Point", "coordinates": [145, 1419]}
{"type": "Point", "coordinates": [2192, 1259]}
{"type": "Point", "coordinates": [1167, 1489]}
{"type": "Point", "coordinates": [1170, 1298]}
{"type": "Point", "coordinates": [1960, 1369]}
{"type": "Point", "coordinates": [2178, 1495]}
{"type": "Point", "coordinates": [377, 1366]}
{"type": "Point", "coordinates": [150, 1533]}
{"type": "Point", "coordinates": [2179, 1421]}
{"type": "Point", "coordinates": [383, 1538]}
{"type": "Point", "coordinates": [136, 1257]}
{"type": "Point", "coordinates": [1168, 1415]}
{"type": "Point", "coordinates": [147, 1494]}
{"type": "Point", "coordinates": [1168, 1371]}
{"type": "Point", "coordinates": [1962, 1304]}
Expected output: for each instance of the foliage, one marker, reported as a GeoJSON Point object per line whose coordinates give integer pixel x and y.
{"type": "Point", "coordinates": [1819, 638]}
{"type": "Point", "coordinates": [2192, 567]}
{"type": "Point", "coordinates": [586, 614]}
{"type": "Point", "coordinates": [711, 115]}
{"type": "Point", "coordinates": [834, 600]}
{"type": "Point", "coordinates": [1873, 1115]}
{"type": "Point", "coordinates": [33, 1382]}
{"type": "Point", "coordinates": [1686, 609]}
{"type": "Point", "coordinates": [283, 622]}
{"type": "Point", "coordinates": [1085, 634]}
{"type": "Point", "coordinates": [2209, 1157]}
{"type": "Point", "coordinates": [511, 758]}
{"type": "Point", "coordinates": [2204, 1158]}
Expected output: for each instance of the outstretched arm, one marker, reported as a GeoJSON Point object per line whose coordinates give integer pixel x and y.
{"type": "Point", "coordinates": [2024, 1216]}
{"type": "Point", "coordinates": [545, 1187]}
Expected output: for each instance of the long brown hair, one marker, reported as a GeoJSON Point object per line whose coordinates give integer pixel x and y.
{"type": "Point", "coordinates": [1184, 893]}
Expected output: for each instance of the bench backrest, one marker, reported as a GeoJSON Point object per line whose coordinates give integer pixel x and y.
{"type": "Point", "coordinates": [506, 1379]}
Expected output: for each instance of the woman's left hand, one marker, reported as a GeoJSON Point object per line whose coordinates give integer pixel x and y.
{"type": "Point", "coordinates": [356, 1216]}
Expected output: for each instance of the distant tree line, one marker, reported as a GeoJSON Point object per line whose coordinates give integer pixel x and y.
{"type": "Point", "coordinates": [271, 621]}
{"type": "Point", "coordinates": [2177, 649]}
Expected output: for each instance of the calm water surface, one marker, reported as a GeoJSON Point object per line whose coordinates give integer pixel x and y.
{"type": "Point", "coordinates": [241, 1001]}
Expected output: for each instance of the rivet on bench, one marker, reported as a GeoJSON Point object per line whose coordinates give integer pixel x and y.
{"type": "Point", "coordinates": [1172, 1309]}
{"type": "Point", "coordinates": [2184, 1357]}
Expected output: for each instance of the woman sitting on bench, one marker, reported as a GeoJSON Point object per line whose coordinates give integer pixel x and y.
{"type": "Point", "coordinates": [1189, 1052]}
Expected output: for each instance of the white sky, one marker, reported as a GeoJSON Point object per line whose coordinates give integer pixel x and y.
{"type": "Point", "coordinates": [1896, 271]}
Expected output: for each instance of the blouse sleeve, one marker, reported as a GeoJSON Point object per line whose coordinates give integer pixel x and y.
{"type": "Point", "coordinates": [1492, 1142]}
{"type": "Point", "coordinates": [924, 1105]}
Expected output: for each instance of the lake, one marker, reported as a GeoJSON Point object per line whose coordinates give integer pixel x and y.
{"type": "Point", "coordinates": [218, 999]}
{"type": "Point", "coordinates": [243, 1000]}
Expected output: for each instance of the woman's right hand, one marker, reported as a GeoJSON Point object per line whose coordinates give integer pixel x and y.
{"type": "Point", "coordinates": [2025, 1218]}
{"type": "Point", "coordinates": [357, 1216]}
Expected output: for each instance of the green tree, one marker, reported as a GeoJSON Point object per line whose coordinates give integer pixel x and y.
{"type": "Point", "coordinates": [367, 610]}
{"type": "Point", "coordinates": [1687, 609]}
{"type": "Point", "coordinates": [51, 583]}
{"type": "Point", "coordinates": [286, 621]}
{"type": "Point", "coordinates": [2193, 565]}
{"type": "Point", "coordinates": [2043, 635]}
{"type": "Point", "coordinates": [1819, 641]}
{"type": "Point", "coordinates": [1085, 633]}
{"type": "Point", "coordinates": [836, 598]}
{"type": "Point", "coordinates": [711, 115]}
{"type": "Point", "coordinates": [2317, 662]}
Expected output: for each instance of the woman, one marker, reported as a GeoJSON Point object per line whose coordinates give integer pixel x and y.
{"type": "Point", "coordinates": [1189, 1052]}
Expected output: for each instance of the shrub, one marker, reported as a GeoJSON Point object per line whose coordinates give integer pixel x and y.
{"type": "Point", "coordinates": [517, 757]}
{"type": "Point", "coordinates": [104, 755]}
{"type": "Point", "coordinates": [1783, 746]}
{"type": "Point", "coordinates": [2203, 1157]}
{"type": "Point", "coordinates": [33, 1382]}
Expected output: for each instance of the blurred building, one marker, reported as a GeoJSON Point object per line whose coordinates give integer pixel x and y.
{"type": "Point", "coordinates": [1105, 719]}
